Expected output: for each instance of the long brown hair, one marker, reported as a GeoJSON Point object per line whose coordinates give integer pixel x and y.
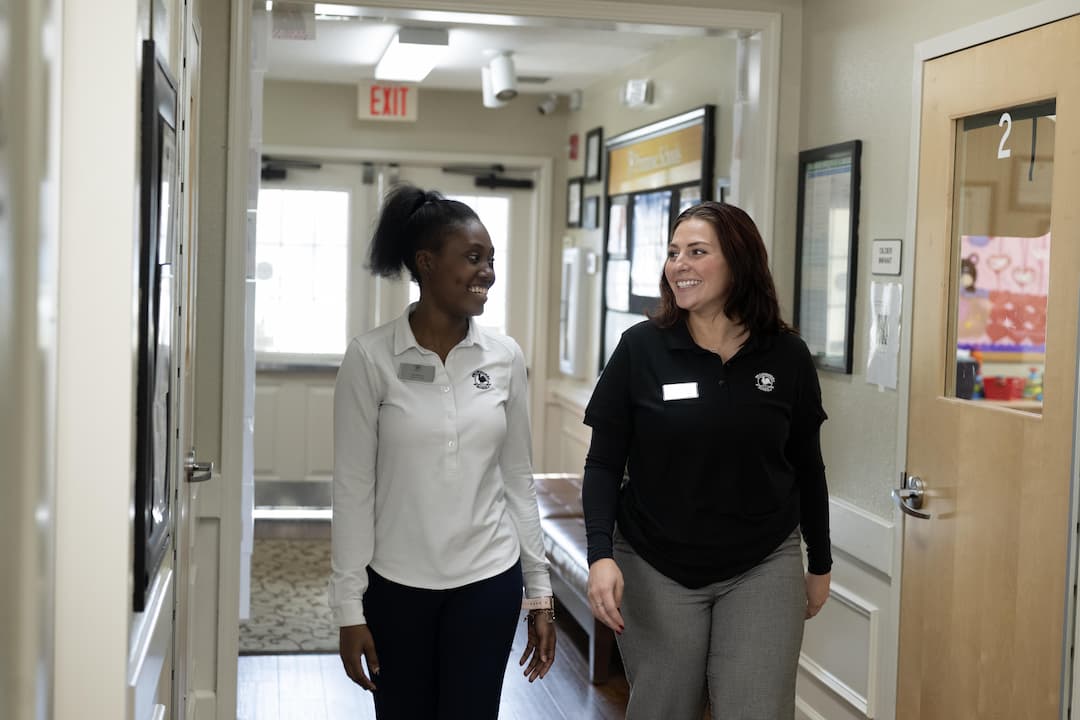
{"type": "Point", "coordinates": [751, 298]}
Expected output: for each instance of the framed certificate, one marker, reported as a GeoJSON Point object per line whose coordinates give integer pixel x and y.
{"type": "Point", "coordinates": [826, 250]}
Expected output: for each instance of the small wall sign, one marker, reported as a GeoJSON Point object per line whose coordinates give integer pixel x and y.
{"type": "Point", "coordinates": [885, 258]}
{"type": "Point", "coordinates": [396, 103]}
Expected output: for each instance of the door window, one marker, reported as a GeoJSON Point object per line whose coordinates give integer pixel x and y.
{"type": "Point", "coordinates": [1001, 240]}
{"type": "Point", "coordinates": [301, 269]}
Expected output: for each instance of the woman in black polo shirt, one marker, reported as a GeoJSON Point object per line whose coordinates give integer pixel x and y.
{"type": "Point", "coordinates": [713, 409]}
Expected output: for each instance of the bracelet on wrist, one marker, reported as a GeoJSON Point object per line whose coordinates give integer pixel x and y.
{"type": "Point", "coordinates": [540, 603]}
{"type": "Point", "coordinates": [538, 606]}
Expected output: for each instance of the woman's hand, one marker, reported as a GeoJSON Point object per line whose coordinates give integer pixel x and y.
{"type": "Point", "coordinates": [541, 644]}
{"type": "Point", "coordinates": [354, 642]}
{"type": "Point", "coordinates": [605, 593]}
{"type": "Point", "coordinates": [817, 592]}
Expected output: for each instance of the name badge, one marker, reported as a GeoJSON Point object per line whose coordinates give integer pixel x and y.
{"type": "Point", "coordinates": [416, 372]}
{"type": "Point", "coordinates": [680, 391]}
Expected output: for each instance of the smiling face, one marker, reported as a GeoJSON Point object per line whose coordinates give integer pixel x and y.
{"type": "Point", "coordinates": [696, 270]}
{"type": "Point", "coordinates": [457, 277]}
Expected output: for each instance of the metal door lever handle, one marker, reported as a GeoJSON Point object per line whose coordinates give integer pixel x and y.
{"type": "Point", "coordinates": [197, 471]}
{"type": "Point", "coordinates": [910, 497]}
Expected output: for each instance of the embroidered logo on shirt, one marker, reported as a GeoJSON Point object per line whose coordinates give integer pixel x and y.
{"type": "Point", "coordinates": [765, 382]}
{"type": "Point", "coordinates": [481, 379]}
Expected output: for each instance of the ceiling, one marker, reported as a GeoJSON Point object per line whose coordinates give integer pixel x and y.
{"type": "Point", "coordinates": [549, 55]}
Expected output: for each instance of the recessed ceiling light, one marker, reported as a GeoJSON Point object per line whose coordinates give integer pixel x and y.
{"type": "Point", "coordinates": [412, 54]}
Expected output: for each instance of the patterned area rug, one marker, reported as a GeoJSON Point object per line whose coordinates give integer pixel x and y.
{"type": "Point", "coordinates": [289, 613]}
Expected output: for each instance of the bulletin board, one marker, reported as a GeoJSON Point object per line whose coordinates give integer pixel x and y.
{"type": "Point", "coordinates": [654, 172]}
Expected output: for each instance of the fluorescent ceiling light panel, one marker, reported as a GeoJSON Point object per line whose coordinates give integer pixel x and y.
{"type": "Point", "coordinates": [412, 54]}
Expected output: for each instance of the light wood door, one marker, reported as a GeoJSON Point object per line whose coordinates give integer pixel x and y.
{"type": "Point", "coordinates": [983, 600]}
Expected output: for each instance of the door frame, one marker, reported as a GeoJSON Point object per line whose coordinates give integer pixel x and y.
{"type": "Point", "coordinates": [759, 190]}
{"type": "Point", "coordinates": [988, 30]}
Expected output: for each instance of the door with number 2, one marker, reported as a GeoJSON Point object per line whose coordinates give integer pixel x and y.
{"type": "Point", "coordinates": [983, 628]}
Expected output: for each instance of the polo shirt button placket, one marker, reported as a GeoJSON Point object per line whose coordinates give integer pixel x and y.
{"type": "Point", "coordinates": [451, 428]}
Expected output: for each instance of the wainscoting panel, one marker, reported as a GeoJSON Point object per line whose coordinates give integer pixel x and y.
{"type": "Point", "coordinates": [265, 438]}
{"type": "Point", "coordinates": [294, 443]}
{"type": "Point", "coordinates": [566, 437]}
{"type": "Point", "coordinates": [320, 433]}
{"type": "Point", "coordinates": [843, 665]}
{"type": "Point", "coordinates": [846, 625]}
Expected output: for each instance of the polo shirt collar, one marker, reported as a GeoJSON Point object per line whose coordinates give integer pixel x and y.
{"type": "Point", "coordinates": [679, 338]}
{"type": "Point", "coordinates": [404, 338]}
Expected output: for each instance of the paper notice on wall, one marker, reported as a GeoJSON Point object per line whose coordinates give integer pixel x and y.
{"type": "Point", "coordinates": [293, 21]}
{"type": "Point", "coordinates": [883, 357]}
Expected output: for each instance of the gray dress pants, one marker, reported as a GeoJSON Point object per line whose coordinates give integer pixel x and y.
{"type": "Point", "coordinates": [738, 639]}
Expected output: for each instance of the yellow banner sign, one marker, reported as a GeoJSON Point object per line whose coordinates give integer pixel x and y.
{"type": "Point", "coordinates": [672, 159]}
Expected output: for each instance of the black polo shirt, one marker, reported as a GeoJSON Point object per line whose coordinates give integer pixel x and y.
{"type": "Point", "coordinates": [723, 459]}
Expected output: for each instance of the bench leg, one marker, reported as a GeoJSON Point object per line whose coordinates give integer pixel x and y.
{"type": "Point", "coordinates": [601, 641]}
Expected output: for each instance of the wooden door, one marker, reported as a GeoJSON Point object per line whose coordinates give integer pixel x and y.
{"type": "Point", "coordinates": [983, 600]}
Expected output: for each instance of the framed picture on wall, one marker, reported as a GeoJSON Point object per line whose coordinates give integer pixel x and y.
{"type": "Point", "coordinates": [157, 308]}
{"type": "Point", "coordinates": [590, 214]}
{"type": "Point", "coordinates": [594, 145]}
{"type": "Point", "coordinates": [574, 189]}
{"type": "Point", "coordinates": [826, 251]}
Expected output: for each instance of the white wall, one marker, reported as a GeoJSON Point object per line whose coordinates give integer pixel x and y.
{"type": "Point", "coordinates": [28, 296]}
{"type": "Point", "coordinates": [96, 377]}
{"type": "Point", "coordinates": [324, 115]}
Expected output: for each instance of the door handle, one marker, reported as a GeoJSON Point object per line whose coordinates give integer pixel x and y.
{"type": "Point", "coordinates": [909, 498]}
{"type": "Point", "coordinates": [195, 470]}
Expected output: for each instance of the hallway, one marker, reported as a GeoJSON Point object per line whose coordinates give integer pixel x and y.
{"type": "Point", "coordinates": [314, 687]}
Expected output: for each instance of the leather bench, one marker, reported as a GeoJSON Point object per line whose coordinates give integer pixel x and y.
{"type": "Point", "coordinates": [563, 523]}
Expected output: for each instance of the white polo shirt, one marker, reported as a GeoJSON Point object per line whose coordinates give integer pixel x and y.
{"type": "Point", "coordinates": [432, 466]}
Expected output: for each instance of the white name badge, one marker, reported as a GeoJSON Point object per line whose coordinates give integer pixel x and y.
{"type": "Point", "coordinates": [680, 391]}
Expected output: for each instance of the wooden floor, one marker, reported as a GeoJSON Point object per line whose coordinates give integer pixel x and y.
{"type": "Point", "coordinates": [315, 687]}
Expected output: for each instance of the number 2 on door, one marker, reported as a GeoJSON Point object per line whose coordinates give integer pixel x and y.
{"type": "Point", "coordinates": [1006, 120]}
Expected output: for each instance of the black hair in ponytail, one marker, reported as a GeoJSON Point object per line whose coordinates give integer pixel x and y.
{"type": "Point", "coordinates": [413, 219]}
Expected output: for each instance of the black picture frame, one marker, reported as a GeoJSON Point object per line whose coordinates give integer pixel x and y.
{"type": "Point", "coordinates": [594, 153]}
{"type": "Point", "coordinates": [575, 188]}
{"type": "Point", "coordinates": [829, 180]}
{"type": "Point", "coordinates": [590, 213]}
{"type": "Point", "coordinates": [158, 195]}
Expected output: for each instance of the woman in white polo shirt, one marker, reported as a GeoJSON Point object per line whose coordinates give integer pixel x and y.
{"type": "Point", "coordinates": [435, 523]}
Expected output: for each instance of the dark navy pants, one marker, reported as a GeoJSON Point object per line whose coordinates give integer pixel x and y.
{"type": "Point", "coordinates": [442, 653]}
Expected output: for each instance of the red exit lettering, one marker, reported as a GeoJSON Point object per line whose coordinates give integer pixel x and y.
{"type": "Point", "coordinates": [389, 101]}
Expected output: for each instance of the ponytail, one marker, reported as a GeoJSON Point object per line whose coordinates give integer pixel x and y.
{"type": "Point", "coordinates": [412, 220]}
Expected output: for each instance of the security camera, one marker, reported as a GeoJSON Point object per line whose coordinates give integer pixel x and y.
{"type": "Point", "coordinates": [548, 105]}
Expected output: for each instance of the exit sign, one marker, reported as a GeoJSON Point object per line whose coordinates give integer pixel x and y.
{"type": "Point", "coordinates": [396, 103]}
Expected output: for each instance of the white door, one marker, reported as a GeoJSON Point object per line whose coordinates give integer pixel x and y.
{"type": "Point", "coordinates": [311, 296]}
{"type": "Point", "coordinates": [193, 472]}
